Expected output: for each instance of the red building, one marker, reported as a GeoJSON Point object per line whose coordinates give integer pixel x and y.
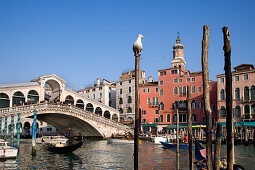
{"type": "Point", "coordinates": [172, 87]}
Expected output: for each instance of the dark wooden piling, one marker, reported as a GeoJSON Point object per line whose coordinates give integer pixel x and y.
{"type": "Point", "coordinates": [228, 76]}
{"type": "Point", "coordinates": [217, 147]}
{"type": "Point", "coordinates": [206, 93]}
{"type": "Point", "coordinates": [177, 140]}
{"type": "Point", "coordinates": [137, 115]}
{"type": "Point", "coordinates": [245, 135]}
{"type": "Point", "coordinates": [190, 136]}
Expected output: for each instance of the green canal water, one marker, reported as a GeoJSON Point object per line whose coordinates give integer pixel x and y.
{"type": "Point", "coordinates": [98, 154]}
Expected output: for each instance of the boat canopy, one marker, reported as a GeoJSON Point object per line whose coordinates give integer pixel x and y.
{"type": "Point", "coordinates": [149, 125]}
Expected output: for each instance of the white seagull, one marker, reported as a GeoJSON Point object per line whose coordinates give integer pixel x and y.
{"type": "Point", "coordinates": [138, 46]}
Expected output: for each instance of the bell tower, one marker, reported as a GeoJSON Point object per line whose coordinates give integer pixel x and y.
{"type": "Point", "coordinates": [178, 55]}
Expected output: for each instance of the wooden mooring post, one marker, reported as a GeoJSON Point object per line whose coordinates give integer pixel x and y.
{"type": "Point", "coordinates": [217, 147]}
{"type": "Point", "coordinates": [177, 139]}
{"type": "Point", "coordinates": [190, 136]}
{"type": "Point", "coordinates": [206, 96]}
{"type": "Point", "coordinates": [228, 77]}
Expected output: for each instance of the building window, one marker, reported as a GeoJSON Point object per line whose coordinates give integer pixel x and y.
{"type": "Point", "coordinates": [120, 101]}
{"type": "Point", "coordinates": [222, 80]}
{"type": "Point", "coordinates": [168, 118]}
{"type": "Point", "coordinates": [94, 96]}
{"type": "Point", "coordinates": [120, 83]}
{"type": "Point", "coordinates": [245, 77]}
{"type": "Point", "coordinates": [144, 90]}
{"type": "Point", "coordinates": [246, 93]}
{"type": "Point", "coordinates": [161, 82]}
{"type": "Point", "coordinates": [155, 120]}
{"type": "Point", "coordinates": [121, 110]}
{"type": "Point", "coordinates": [199, 89]}
{"type": "Point", "coordinates": [222, 112]}
{"type": "Point", "coordinates": [236, 78]}
{"type": "Point", "coordinates": [149, 90]}
{"type": "Point", "coordinates": [237, 112]}
{"type": "Point", "coordinates": [149, 100]}
{"type": "Point", "coordinates": [161, 106]}
{"type": "Point", "coordinates": [129, 81]}
{"type": "Point", "coordinates": [100, 88]}
{"type": "Point", "coordinates": [175, 81]}
{"type": "Point", "coordinates": [120, 91]}
{"type": "Point", "coordinates": [174, 72]}
{"type": "Point", "coordinates": [175, 90]}
{"type": "Point", "coordinates": [237, 94]}
{"type": "Point", "coordinates": [180, 90]}
{"type": "Point", "coordinates": [184, 91]}
{"type": "Point", "coordinates": [193, 79]}
{"type": "Point", "coordinates": [193, 117]}
{"type": "Point", "coordinates": [156, 102]}
{"type": "Point", "coordinates": [174, 118]}
{"type": "Point", "coordinates": [129, 99]}
{"type": "Point", "coordinates": [200, 105]}
{"type": "Point", "coordinates": [188, 80]}
{"type": "Point", "coordinates": [161, 92]}
{"type": "Point", "coordinates": [193, 104]}
{"type": "Point", "coordinates": [156, 112]}
{"type": "Point", "coordinates": [129, 110]}
{"type": "Point", "coordinates": [222, 94]}
{"type": "Point", "coordinates": [49, 129]}
{"type": "Point", "coordinates": [161, 118]}
{"type": "Point", "coordinates": [162, 73]}
{"type": "Point", "coordinates": [180, 80]}
{"type": "Point", "coordinates": [193, 89]}
{"type": "Point", "coordinates": [184, 118]}
{"type": "Point", "coordinates": [144, 112]}
{"type": "Point", "coordinates": [143, 120]}
{"type": "Point", "coordinates": [252, 92]}
{"type": "Point", "coordinates": [156, 89]}
{"type": "Point", "coordinates": [129, 90]}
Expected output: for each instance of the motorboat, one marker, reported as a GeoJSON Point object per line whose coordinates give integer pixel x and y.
{"type": "Point", "coordinates": [52, 139]}
{"type": "Point", "coordinates": [122, 140]}
{"type": "Point", "coordinates": [7, 151]}
{"type": "Point", "coordinates": [159, 139]}
{"type": "Point", "coordinates": [174, 145]}
{"type": "Point", "coordinates": [64, 147]}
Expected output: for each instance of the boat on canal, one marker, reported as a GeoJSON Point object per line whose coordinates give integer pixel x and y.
{"type": "Point", "coordinates": [174, 145]}
{"type": "Point", "coordinates": [7, 151]}
{"type": "Point", "coordinates": [122, 140]}
{"type": "Point", "coordinates": [52, 139]}
{"type": "Point", "coordinates": [159, 139]}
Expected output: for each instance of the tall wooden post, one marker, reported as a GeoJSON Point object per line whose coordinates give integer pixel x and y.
{"type": "Point", "coordinates": [228, 76]}
{"type": "Point", "coordinates": [217, 147]}
{"type": "Point", "coordinates": [206, 90]}
{"type": "Point", "coordinates": [190, 136]}
{"type": "Point", "coordinates": [137, 115]}
{"type": "Point", "coordinates": [177, 139]}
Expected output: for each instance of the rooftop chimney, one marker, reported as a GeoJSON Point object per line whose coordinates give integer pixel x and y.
{"type": "Point", "coordinates": [150, 79]}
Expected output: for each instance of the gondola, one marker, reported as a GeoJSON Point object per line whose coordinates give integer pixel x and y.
{"type": "Point", "coordinates": [173, 145]}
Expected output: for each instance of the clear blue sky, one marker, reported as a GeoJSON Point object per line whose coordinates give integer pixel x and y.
{"type": "Point", "coordinates": [81, 40]}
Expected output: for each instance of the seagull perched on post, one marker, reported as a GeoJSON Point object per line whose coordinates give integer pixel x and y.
{"type": "Point", "coordinates": [138, 46]}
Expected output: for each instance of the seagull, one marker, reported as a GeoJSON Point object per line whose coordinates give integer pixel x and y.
{"type": "Point", "coordinates": [138, 46]}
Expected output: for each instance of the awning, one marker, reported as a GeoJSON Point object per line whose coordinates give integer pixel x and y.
{"type": "Point", "coordinates": [149, 125]}
{"type": "Point", "coordinates": [182, 126]}
{"type": "Point", "coordinates": [240, 123]}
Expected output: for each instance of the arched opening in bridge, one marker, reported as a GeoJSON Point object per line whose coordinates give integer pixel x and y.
{"type": "Point", "coordinates": [18, 99]}
{"type": "Point", "coordinates": [98, 111]}
{"type": "Point", "coordinates": [32, 97]}
{"type": "Point", "coordinates": [4, 100]}
{"type": "Point", "coordinates": [52, 91]}
{"type": "Point", "coordinates": [69, 100]}
{"type": "Point", "coordinates": [90, 107]}
{"type": "Point", "coordinates": [115, 117]}
{"type": "Point", "coordinates": [80, 104]}
{"type": "Point", "coordinates": [107, 114]}
{"type": "Point", "coordinates": [27, 128]}
{"type": "Point", "coordinates": [121, 110]}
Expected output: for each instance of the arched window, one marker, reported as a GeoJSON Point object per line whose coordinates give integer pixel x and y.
{"type": "Point", "coordinates": [121, 110]}
{"type": "Point", "coordinates": [120, 101]}
{"type": "Point", "coordinates": [32, 97]}
{"type": "Point", "coordinates": [129, 110]}
{"type": "Point", "coordinates": [80, 104]}
{"type": "Point", "coordinates": [175, 90]}
{"type": "Point", "coordinates": [247, 112]}
{"type": "Point", "coordinates": [193, 104]}
{"type": "Point", "coordinates": [246, 93]}
{"type": "Point", "coordinates": [89, 107]}
{"type": "Point", "coordinates": [184, 91]}
{"type": "Point", "coordinates": [253, 110]}
{"type": "Point", "coordinates": [107, 114]}
{"type": "Point", "coordinates": [129, 99]}
{"type": "Point", "coordinates": [237, 93]}
{"type": "Point", "coordinates": [237, 111]}
{"type": "Point", "coordinates": [252, 92]}
{"type": "Point", "coordinates": [222, 94]}
{"type": "Point", "coordinates": [69, 100]}
{"type": "Point", "coordinates": [180, 90]}
{"type": "Point", "coordinates": [161, 106]}
{"type": "Point", "coordinates": [184, 118]}
{"type": "Point", "coordinates": [4, 100]}
{"type": "Point", "coordinates": [222, 112]}
{"type": "Point", "coordinates": [161, 92]}
{"type": "Point", "coordinates": [180, 118]}
{"type": "Point", "coordinates": [161, 118]}
{"type": "Point", "coordinates": [193, 117]}
{"type": "Point", "coordinates": [18, 99]}
{"type": "Point", "coordinates": [98, 111]}
{"type": "Point", "coordinates": [168, 118]}
{"type": "Point", "coordinates": [174, 118]}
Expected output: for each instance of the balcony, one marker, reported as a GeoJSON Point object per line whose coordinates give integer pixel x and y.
{"type": "Point", "coordinates": [153, 105]}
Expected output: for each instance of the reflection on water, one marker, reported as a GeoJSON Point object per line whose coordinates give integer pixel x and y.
{"type": "Point", "coordinates": [98, 154]}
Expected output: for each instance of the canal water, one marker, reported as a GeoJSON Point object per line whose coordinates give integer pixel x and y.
{"type": "Point", "coordinates": [98, 154]}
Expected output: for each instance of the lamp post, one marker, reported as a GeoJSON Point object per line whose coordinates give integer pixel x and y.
{"type": "Point", "coordinates": [137, 48]}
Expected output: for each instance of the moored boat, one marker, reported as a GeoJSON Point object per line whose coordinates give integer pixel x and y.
{"type": "Point", "coordinates": [7, 151]}
{"type": "Point", "coordinates": [159, 139]}
{"type": "Point", "coordinates": [64, 147]}
{"type": "Point", "coordinates": [174, 145]}
{"type": "Point", "coordinates": [52, 139]}
{"type": "Point", "coordinates": [122, 140]}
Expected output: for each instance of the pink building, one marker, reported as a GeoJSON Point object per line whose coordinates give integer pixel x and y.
{"type": "Point", "coordinates": [243, 94]}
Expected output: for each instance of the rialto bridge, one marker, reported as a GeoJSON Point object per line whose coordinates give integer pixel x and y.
{"type": "Point", "coordinates": [59, 106]}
